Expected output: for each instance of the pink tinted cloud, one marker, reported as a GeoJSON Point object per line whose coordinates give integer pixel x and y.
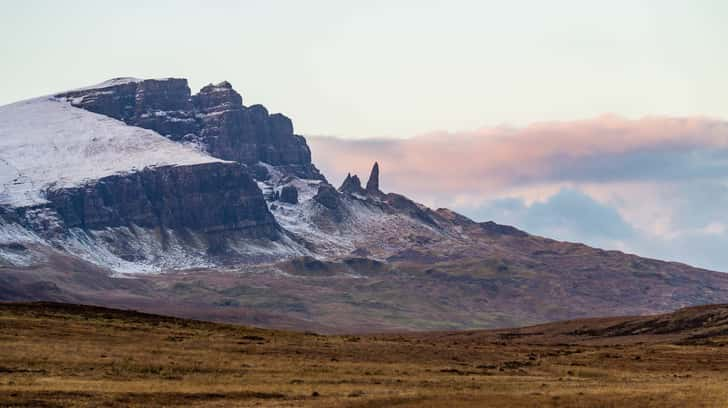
{"type": "Point", "coordinates": [492, 159]}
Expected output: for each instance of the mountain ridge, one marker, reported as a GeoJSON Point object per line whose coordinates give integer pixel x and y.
{"type": "Point", "coordinates": [244, 221]}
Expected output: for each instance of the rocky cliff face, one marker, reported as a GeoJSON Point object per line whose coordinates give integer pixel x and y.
{"type": "Point", "coordinates": [208, 198]}
{"type": "Point", "coordinates": [170, 217]}
{"type": "Point", "coordinates": [215, 119]}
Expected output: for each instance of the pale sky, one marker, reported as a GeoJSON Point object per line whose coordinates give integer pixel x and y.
{"type": "Point", "coordinates": [387, 68]}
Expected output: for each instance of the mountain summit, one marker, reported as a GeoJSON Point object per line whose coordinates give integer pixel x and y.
{"type": "Point", "coordinates": [214, 119]}
{"type": "Point", "coordinates": [103, 188]}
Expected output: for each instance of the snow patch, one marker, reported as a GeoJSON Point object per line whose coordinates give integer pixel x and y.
{"type": "Point", "coordinates": [47, 143]}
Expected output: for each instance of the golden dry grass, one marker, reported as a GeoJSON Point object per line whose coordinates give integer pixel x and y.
{"type": "Point", "coordinates": [82, 357]}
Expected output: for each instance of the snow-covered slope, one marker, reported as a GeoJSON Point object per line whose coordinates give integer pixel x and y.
{"type": "Point", "coordinates": [362, 223]}
{"type": "Point", "coordinates": [47, 142]}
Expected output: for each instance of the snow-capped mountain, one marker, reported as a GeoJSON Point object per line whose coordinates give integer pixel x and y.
{"type": "Point", "coordinates": [132, 175]}
{"type": "Point", "coordinates": [125, 197]}
{"type": "Point", "coordinates": [138, 193]}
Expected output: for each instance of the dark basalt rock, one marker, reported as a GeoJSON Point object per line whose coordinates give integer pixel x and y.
{"type": "Point", "coordinates": [351, 184]}
{"type": "Point", "coordinates": [260, 172]}
{"type": "Point", "coordinates": [217, 97]}
{"type": "Point", "coordinates": [289, 194]}
{"type": "Point", "coordinates": [215, 118]}
{"type": "Point", "coordinates": [209, 197]}
{"type": "Point", "coordinates": [327, 196]}
{"type": "Point", "coordinates": [373, 182]}
{"type": "Point", "coordinates": [170, 94]}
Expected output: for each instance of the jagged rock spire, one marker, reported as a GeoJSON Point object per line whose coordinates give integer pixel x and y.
{"type": "Point", "coordinates": [373, 183]}
{"type": "Point", "coordinates": [351, 184]}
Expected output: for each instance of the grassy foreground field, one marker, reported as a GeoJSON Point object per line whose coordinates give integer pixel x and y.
{"type": "Point", "coordinates": [54, 355]}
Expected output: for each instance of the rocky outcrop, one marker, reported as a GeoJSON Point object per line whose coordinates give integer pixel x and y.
{"type": "Point", "coordinates": [289, 194]}
{"type": "Point", "coordinates": [327, 196]}
{"type": "Point", "coordinates": [351, 185]}
{"type": "Point", "coordinates": [210, 198]}
{"type": "Point", "coordinates": [215, 119]}
{"type": "Point", "coordinates": [373, 182]}
{"type": "Point", "coordinates": [217, 97]}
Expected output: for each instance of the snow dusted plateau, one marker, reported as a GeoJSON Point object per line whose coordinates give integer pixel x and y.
{"type": "Point", "coordinates": [46, 142]}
